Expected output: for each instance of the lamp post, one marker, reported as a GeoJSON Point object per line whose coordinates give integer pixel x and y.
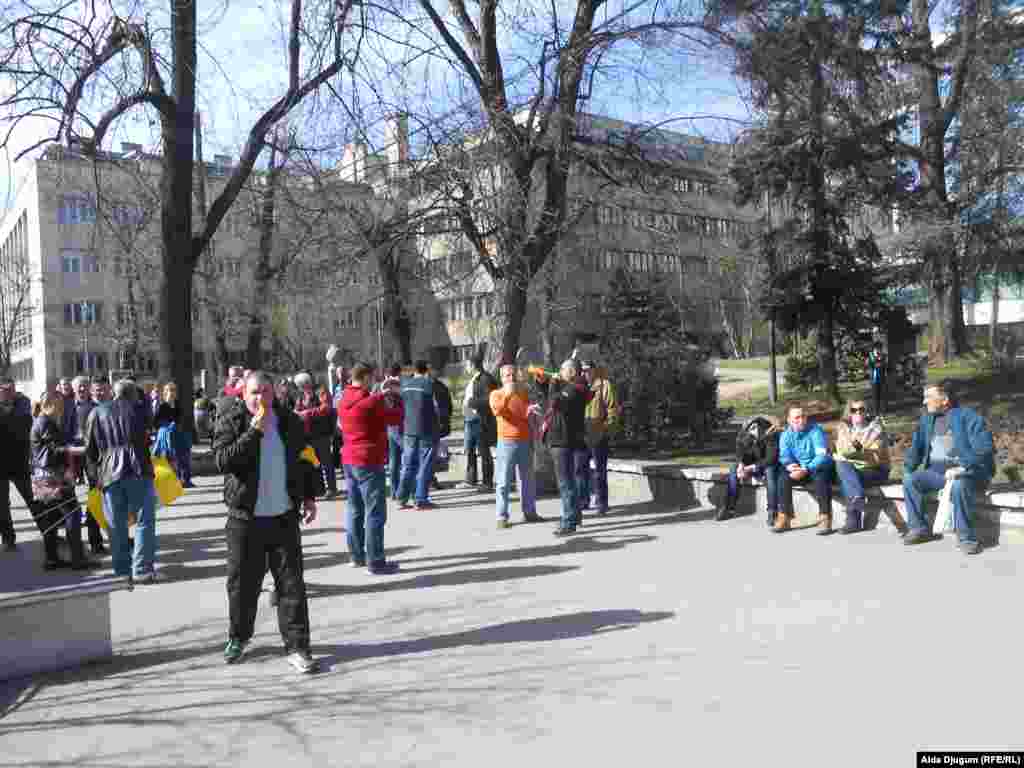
{"type": "Point", "coordinates": [86, 365]}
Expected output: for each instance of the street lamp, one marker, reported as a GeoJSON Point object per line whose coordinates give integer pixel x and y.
{"type": "Point", "coordinates": [86, 365]}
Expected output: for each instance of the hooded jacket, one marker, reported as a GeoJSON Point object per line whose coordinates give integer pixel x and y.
{"type": "Point", "coordinates": [761, 449]}
{"type": "Point", "coordinates": [364, 419]}
{"type": "Point", "coordinates": [809, 448]}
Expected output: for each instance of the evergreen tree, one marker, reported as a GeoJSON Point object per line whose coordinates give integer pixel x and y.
{"type": "Point", "coordinates": [824, 150]}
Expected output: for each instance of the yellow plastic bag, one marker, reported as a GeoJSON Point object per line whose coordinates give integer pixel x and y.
{"type": "Point", "coordinates": [168, 487]}
{"type": "Point", "coordinates": [308, 454]}
{"type": "Point", "coordinates": [94, 506]}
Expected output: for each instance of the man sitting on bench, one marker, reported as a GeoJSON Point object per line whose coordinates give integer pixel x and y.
{"type": "Point", "coordinates": [951, 445]}
{"type": "Point", "coordinates": [805, 460]}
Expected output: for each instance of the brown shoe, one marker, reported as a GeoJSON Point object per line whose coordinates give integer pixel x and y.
{"type": "Point", "coordinates": [783, 522]}
{"type": "Point", "coordinates": [824, 525]}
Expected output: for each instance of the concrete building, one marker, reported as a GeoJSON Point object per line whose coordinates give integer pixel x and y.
{"type": "Point", "coordinates": [82, 237]}
{"type": "Point", "coordinates": [654, 203]}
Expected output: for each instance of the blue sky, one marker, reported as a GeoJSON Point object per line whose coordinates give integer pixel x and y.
{"type": "Point", "coordinates": [242, 68]}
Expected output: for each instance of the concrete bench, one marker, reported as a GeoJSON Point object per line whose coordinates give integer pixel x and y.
{"type": "Point", "coordinates": [999, 509]}
{"type": "Point", "coordinates": [57, 627]}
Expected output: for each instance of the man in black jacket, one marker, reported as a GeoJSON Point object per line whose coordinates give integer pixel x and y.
{"type": "Point", "coordinates": [757, 455]}
{"type": "Point", "coordinates": [443, 407]}
{"type": "Point", "coordinates": [15, 426]}
{"type": "Point", "coordinates": [480, 426]}
{"type": "Point", "coordinates": [565, 436]}
{"type": "Point", "coordinates": [257, 445]}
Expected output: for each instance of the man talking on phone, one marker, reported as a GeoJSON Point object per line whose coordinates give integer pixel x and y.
{"type": "Point", "coordinates": [268, 489]}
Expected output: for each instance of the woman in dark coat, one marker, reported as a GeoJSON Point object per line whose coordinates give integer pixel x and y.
{"type": "Point", "coordinates": [53, 484]}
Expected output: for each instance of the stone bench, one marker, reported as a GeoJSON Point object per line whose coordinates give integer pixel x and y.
{"type": "Point", "coordinates": [57, 627]}
{"type": "Point", "coordinates": [999, 509]}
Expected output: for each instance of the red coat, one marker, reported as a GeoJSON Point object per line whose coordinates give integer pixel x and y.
{"type": "Point", "coordinates": [364, 420]}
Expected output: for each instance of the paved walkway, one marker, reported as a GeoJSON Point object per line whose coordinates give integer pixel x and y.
{"type": "Point", "coordinates": [655, 636]}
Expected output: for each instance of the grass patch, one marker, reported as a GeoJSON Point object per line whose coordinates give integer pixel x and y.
{"type": "Point", "coordinates": [969, 367]}
{"type": "Point", "coordinates": [752, 364]}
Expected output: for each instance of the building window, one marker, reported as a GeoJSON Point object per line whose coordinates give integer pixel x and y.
{"type": "Point", "coordinates": [76, 209]}
{"type": "Point", "coordinates": [23, 370]}
{"type": "Point", "coordinates": [83, 313]}
{"type": "Point", "coordinates": [95, 361]}
{"type": "Point", "coordinates": [70, 262]}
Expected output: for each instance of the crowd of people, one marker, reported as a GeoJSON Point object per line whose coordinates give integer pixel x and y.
{"type": "Point", "coordinates": [951, 452]}
{"type": "Point", "coordinates": [279, 445]}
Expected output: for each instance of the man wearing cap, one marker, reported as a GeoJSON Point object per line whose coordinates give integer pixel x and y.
{"type": "Point", "coordinates": [602, 417]}
{"type": "Point", "coordinates": [15, 426]}
{"type": "Point", "coordinates": [481, 427]}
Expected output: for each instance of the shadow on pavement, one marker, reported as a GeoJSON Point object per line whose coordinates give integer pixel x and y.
{"type": "Point", "coordinates": [574, 544]}
{"type": "Point", "coordinates": [448, 579]}
{"type": "Point", "coordinates": [550, 628]}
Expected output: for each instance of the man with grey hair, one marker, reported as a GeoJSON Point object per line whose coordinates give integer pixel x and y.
{"type": "Point", "coordinates": [76, 416]}
{"type": "Point", "coordinates": [117, 462]}
{"type": "Point", "coordinates": [952, 447]}
{"type": "Point", "coordinates": [268, 488]}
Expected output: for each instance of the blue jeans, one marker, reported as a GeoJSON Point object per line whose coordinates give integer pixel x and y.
{"type": "Point", "coordinates": [366, 512]}
{"type": "Point", "coordinates": [770, 476]}
{"type": "Point", "coordinates": [594, 482]}
{"type": "Point", "coordinates": [138, 495]}
{"type": "Point", "coordinates": [566, 461]}
{"type": "Point", "coordinates": [394, 460]}
{"type": "Point", "coordinates": [513, 455]}
{"type": "Point", "coordinates": [853, 481]}
{"type": "Point", "coordinates": [417, 467]}
{"type": "Point", "coordinates": [924, 481]}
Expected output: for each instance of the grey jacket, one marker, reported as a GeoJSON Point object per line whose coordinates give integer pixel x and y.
{"type": "Point", "coordinates": [115, 444]}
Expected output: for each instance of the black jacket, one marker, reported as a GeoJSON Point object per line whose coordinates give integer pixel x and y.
{"type": "Point", "coordinates": [236, 449]}
{"type": "Point", "coordinates": [443, 402]}
{"type": "Point", "coordinates": [49, 446]}
{"type": "Point", "coordinates": [762, 450]}
{"type": "Point", "coordinates": [15, 426]}
{"type": "Point", "coordinates": [481, 402]}
{"type": "Point", "coordinates": [115, 443]}
{"type": "Point", "coordinates": [568, 404]}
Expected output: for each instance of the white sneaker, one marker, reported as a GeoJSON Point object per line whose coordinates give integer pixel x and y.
{"type": "Point", "coordinates": [302, 661]}
{"type": "Point", "coordinates": [464, 486]}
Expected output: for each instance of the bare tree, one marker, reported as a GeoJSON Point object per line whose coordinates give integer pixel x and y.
{"type": "Point", "coordinates": [526, 122]}
{"type": "Point", "coordinates": [67, 68]}
{"type": "Point", "coordinates": [16, 305]}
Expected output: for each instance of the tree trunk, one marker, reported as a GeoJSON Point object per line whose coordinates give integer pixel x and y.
{"type": "Point", "coordinates": [993, 323]}
{"type": "Point", "coordinates": [515, 315]}
{"type": "Point", "coordinates": [947, 336]}
{"type": "Point", "coordinates": [399, 326]}
{"type": "Point", "coordinates": [176, 212]}
{"type": "Point", "coordinates": [826, 350]}
{"type": "Point", "coordinates": [264, 273]}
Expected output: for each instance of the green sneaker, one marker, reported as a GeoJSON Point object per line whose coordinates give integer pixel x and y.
{"type": "Point", "coordinates": [234, 651]}
{"type": "Point", "coordinates": [502, 523]}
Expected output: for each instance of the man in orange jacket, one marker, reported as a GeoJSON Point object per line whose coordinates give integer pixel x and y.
{"type": "Point", "coordinates": [511, 407]}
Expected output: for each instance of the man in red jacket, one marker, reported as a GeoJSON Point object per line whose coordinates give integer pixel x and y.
{"type": "Point", "coordinates": [364, 419]}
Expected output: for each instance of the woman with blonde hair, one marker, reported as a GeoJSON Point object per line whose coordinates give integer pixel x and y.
{"type": "Point", "coordinates": [53, 483]}
{"type": "Point", "coordinates": [862, 459]}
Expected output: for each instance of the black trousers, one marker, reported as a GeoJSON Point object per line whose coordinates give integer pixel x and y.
{"type": "Point", "coordinates": [878, 395]}
{"type": "Point", "coordinates": [21, 482]}
{"type": "Point", "coordinates": [253, 546]}
{"type": "Point", "coordinates": [820, 479]}
{"type": "Point", "coordinates": [486, 463]}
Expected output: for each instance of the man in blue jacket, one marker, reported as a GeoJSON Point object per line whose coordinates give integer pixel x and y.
{"type": "Point", "coordinates": [418, 431]}
{"type": "Point", "coordinates": [805, 460]}
{"type": "Point", "coordinates": [951, 444]}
